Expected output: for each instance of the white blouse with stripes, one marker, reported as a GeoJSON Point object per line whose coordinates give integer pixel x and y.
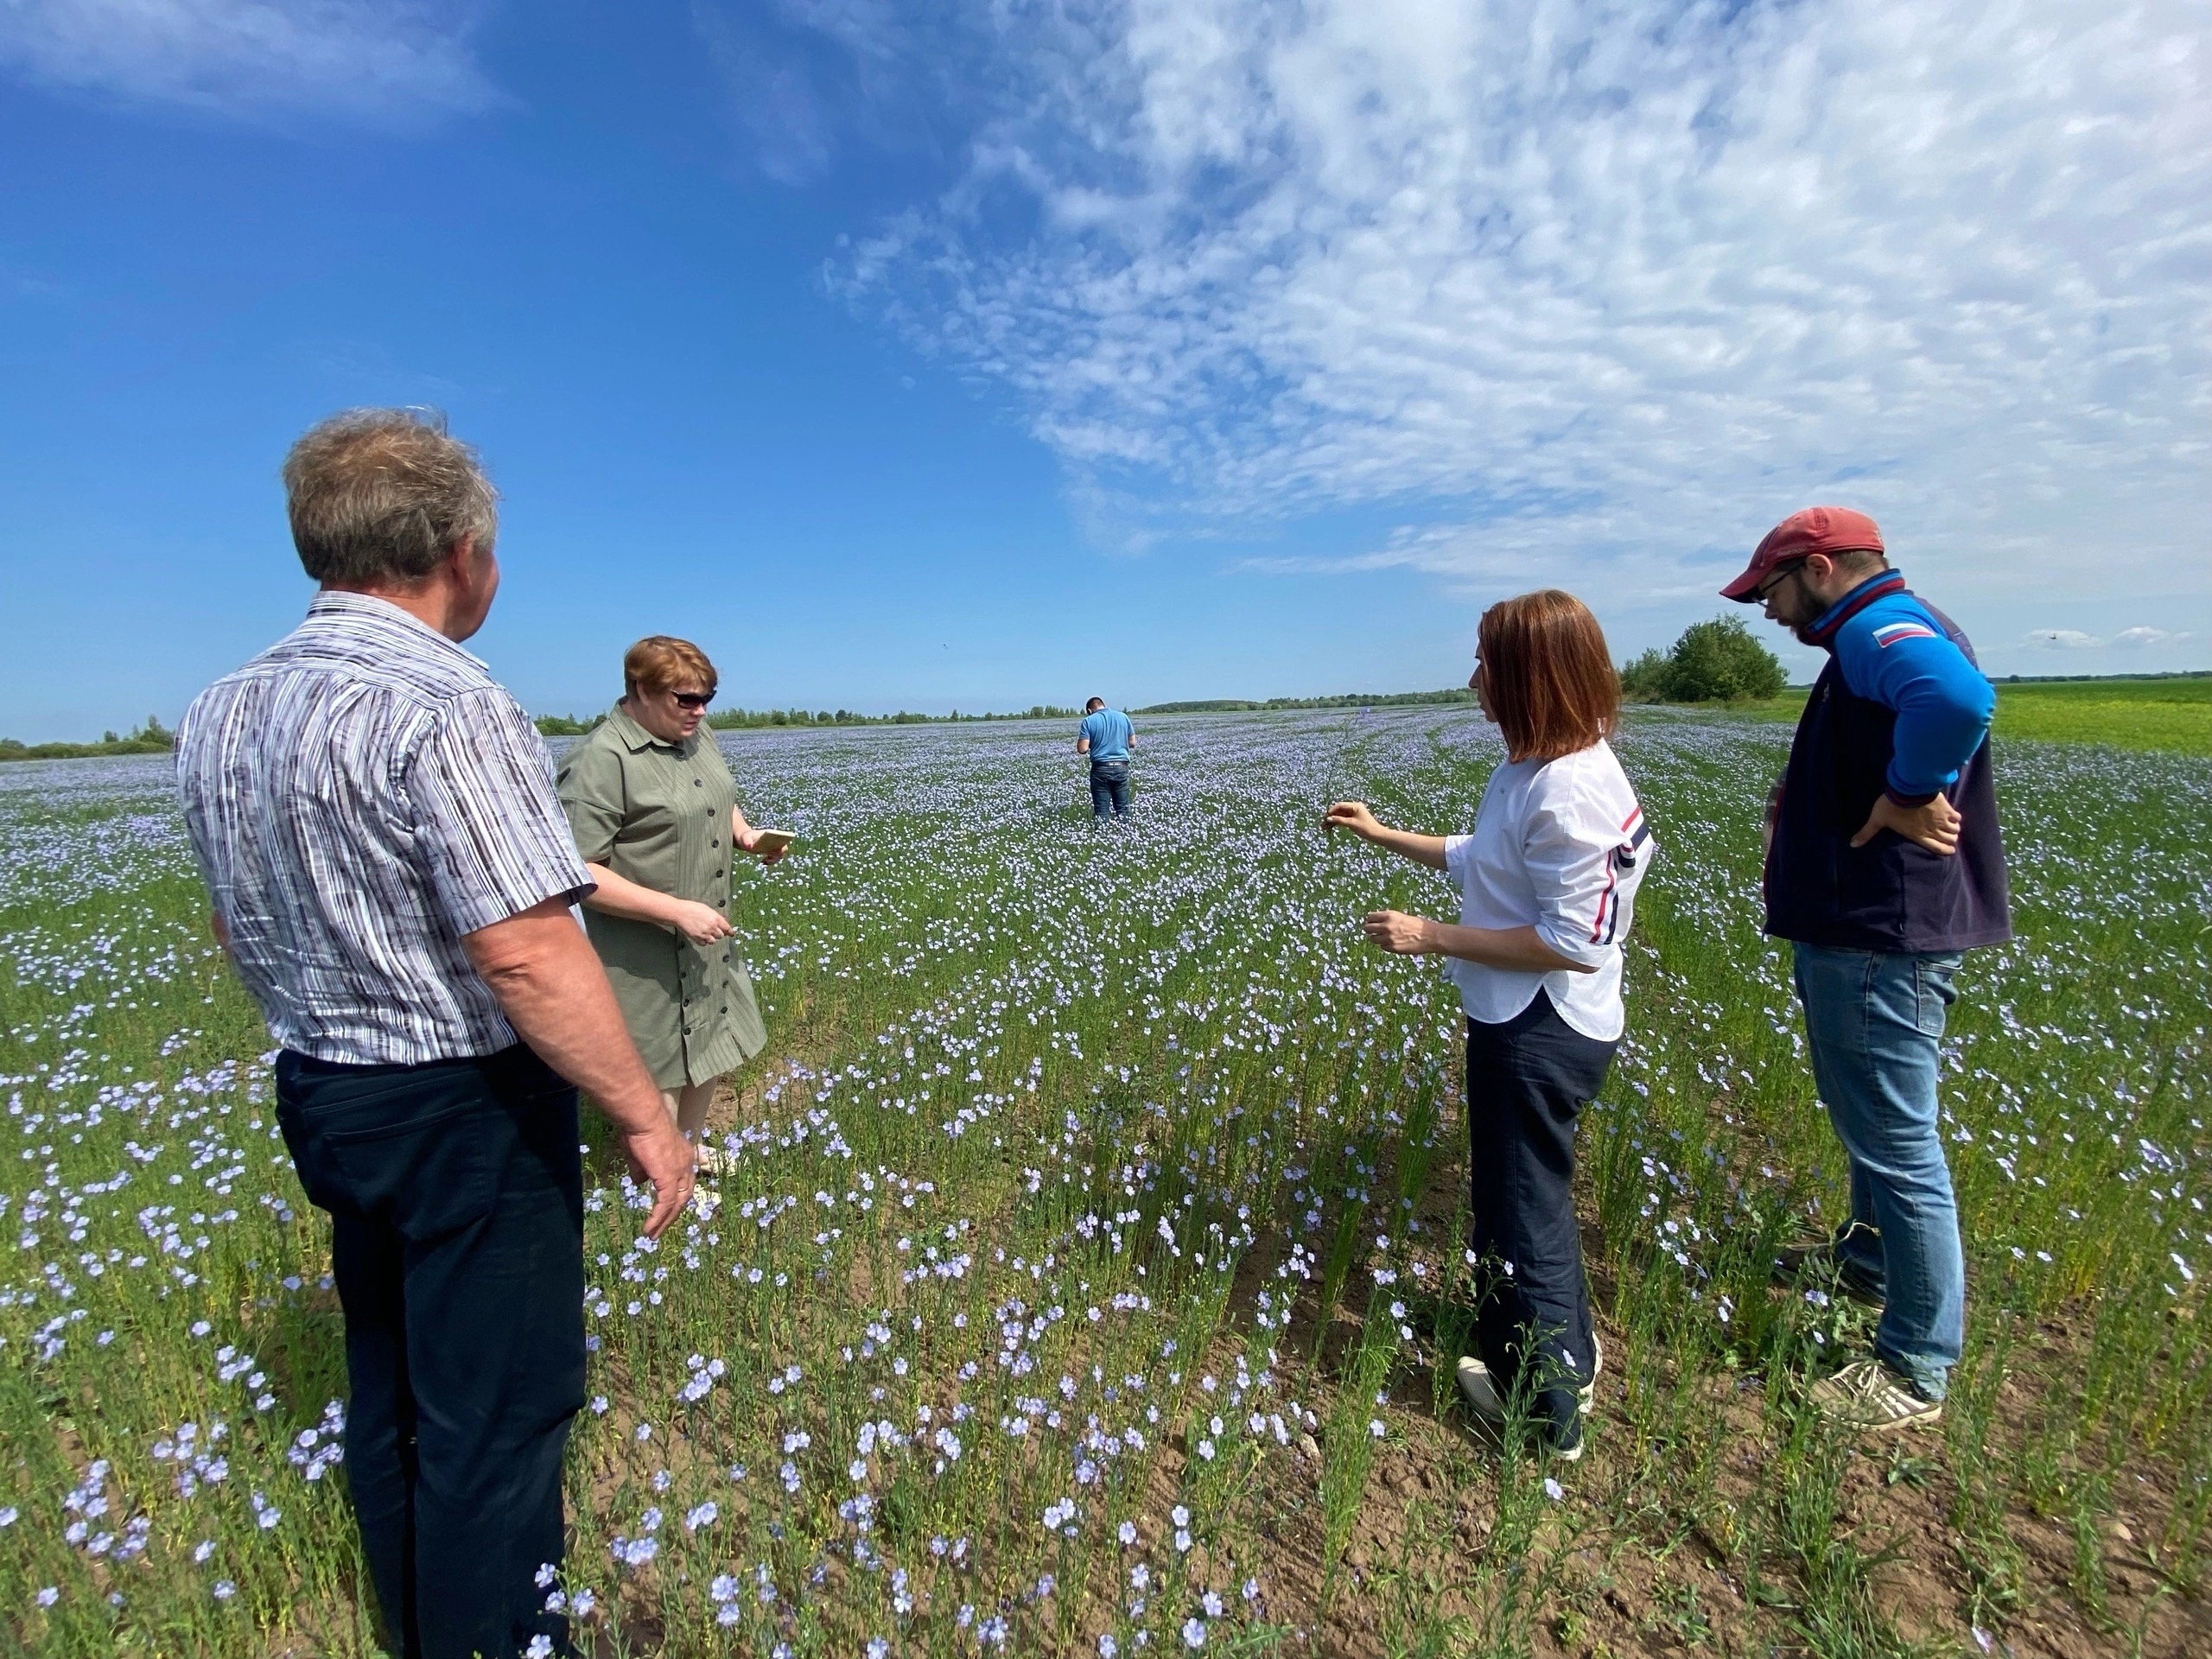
{"type": "Point", "coordinates": [1560, 846]}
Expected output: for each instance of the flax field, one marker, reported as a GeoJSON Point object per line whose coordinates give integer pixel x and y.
{"type": "Point", "coordinates": [1087, 1277]}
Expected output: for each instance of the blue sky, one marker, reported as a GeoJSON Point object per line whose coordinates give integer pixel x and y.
{"type": "Point", "coordinates": [981, 354]}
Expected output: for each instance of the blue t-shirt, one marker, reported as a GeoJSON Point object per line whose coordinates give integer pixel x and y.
{"type": "Point", "coordinates": [1108, 732]}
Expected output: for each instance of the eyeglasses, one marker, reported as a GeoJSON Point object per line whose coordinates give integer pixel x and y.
{"type": "Point", "coordinates": [1782, 574]}
{"type": "Point", "coordinates": [692, 699]}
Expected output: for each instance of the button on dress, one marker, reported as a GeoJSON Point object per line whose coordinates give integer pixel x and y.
{"type": "Point", "coordinates": [657, 814]}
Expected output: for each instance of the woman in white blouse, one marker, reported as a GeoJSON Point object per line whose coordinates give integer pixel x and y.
{"type": "Point", "coordinates": [1548, 882]}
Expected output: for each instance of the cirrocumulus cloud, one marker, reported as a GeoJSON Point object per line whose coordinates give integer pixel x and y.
{"type": "Point", "coordinates": [1592, 287]}
{"type": "Point", "coordinates": [382, 61]}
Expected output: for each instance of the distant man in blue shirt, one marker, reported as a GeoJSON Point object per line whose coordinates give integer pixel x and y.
{"type": "Point", "coordinates": [1883, 866]}
{"type": "Point", "coordinates": [1106, 737]}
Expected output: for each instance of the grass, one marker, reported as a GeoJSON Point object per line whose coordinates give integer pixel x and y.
{"type": "Point", "coordinates": [2170, 715]}
{"type": "Point", "coordinates": [1090, 1266]}
{"type": "Point", "coordinates": [2174, 714]}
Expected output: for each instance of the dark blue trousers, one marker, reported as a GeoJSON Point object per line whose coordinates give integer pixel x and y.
{"type": "Point", "coordinates": [1109, 789]}
{"type": "Point", "coordinates": [1527, 1080]}
{"type": "Point", "coordinates": [456, 1196]}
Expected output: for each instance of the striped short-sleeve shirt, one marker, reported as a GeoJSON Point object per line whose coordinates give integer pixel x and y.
{"type": "Point", "coordinates": [361, 796]}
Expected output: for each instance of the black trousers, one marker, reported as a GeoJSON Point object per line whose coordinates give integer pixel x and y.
{"type": "Point", "coordinates": [456, 1196]}
{"type": "Point", "coordinates": [1527, 1080]}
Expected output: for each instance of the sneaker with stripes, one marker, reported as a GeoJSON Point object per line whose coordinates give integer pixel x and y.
{"type": "Point", "coordinates": [1867, 1394]}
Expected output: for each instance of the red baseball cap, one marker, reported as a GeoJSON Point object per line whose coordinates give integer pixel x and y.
{"type": "Point", "coordinates": [1815, 530]}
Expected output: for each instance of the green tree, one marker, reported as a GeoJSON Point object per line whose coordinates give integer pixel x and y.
{"type": "Point", "coordinates": [1645, 680]}
{"type": "Point", "coordinates": [566, 725]}
{"type": "Point", "coordinates": [1718, 660]}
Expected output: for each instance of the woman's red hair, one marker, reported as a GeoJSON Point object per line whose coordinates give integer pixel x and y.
{"type": "Point", "coordinates": [1551, 682]}
{"type": "Point", "coordinates": [660, 662]}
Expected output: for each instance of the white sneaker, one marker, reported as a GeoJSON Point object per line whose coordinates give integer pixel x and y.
{"type": "Point", "coordinates": [1481, 1393]}
{"type": "Point", "coordinates": [1588, 1392]}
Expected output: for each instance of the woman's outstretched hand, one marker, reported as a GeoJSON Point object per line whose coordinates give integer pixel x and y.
{"type": "Point", "coordinates": [1399, 933]}
{"type": "Point", "coordinates": [1353, 815]}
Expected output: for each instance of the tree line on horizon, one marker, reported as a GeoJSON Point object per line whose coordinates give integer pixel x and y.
{"type": "Point", "coordinates": [731, 719]}
{"type": "Point", "coordinates": [1718, 660]}
{"type": "Point", "coordinates": [152, 737]}
{"type": "Point", "coordinates": [1714, 661]}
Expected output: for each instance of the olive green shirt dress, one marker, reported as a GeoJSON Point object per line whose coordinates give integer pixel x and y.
{"type": "Point", "coordinates": [658, 814]}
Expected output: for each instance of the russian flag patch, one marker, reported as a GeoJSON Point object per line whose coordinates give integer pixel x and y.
{"type": "Point", "coordinates": [1890, 632]}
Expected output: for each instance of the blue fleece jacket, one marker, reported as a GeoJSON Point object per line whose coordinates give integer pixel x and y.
{"type": "Point", "coordinates": [1891, 650]}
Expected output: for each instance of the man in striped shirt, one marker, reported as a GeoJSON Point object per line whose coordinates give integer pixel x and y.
{"type": "Point", "coordinates": [391, 875]}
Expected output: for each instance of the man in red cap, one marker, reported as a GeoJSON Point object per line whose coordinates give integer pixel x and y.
{"type": "Point", "coordinates": [1883, 866]}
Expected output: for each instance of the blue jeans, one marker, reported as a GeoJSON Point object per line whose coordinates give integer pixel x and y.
{"type": "Point", "coordinates": [1109, 789]}
{"type": "Point", "coordinates": [1875, 1022]}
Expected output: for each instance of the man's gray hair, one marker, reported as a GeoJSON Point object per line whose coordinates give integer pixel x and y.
{"type": "Point", "coordinates": [379, 496]}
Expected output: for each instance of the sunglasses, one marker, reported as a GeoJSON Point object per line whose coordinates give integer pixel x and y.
{"type": "Point", "coordinates": [692, 699]}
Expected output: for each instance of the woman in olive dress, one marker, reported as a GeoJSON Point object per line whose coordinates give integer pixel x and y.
{"type": "Point", "coordinates": [655, 814]}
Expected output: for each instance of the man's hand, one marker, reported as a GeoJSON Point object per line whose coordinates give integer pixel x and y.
{"type": "Point", "coordinates": [702, 923]}
{"type": "Point", "coordinates": [660, 1154]}
{"type": "Point", "coordinates": [1355, 816]}
{"type": "Point", "coordinates": [1399, 933]}
{"type": "Point", "coordinates": [1933, 824]}
{"type": "Point", "coordinates": [554, 994]}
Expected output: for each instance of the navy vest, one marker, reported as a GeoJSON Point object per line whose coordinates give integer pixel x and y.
{"type": "Point", "coordinates": [1890, 895]}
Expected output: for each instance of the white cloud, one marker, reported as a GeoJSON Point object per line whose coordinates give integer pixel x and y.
{"type": "Point", "coordinates": [1595, 289]}
{"type": "Point", "coordinates": [381, 61]}
{"type": "Point", "coordinates": [2143, 638]}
